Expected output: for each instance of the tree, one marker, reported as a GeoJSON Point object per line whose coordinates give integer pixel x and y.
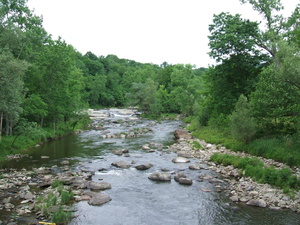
{"type": "Point", "coordinates": [275, 103]}
{"type": "Point", "coordinates": [55, 78]}
{"type": "Point", "coordinates": [11, 91]}
{"type": "Point", "coordinates": [232, 35]}
{"type": "Point", "coordinates": [243, 124]}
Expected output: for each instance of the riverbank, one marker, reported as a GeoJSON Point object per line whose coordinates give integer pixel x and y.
{"type": "Point", "coordinates": [243, 189]}
{"type": "Point", "coordinates": [15, 146]}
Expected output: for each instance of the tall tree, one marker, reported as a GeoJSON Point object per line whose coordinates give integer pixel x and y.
{"type": "Point", "coordinates": [11, 90]}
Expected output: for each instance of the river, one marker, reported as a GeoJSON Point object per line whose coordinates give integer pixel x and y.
{"type": "Point", "coordinates": [135, 198]}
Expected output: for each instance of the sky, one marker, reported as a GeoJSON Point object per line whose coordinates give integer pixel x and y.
{"type": "Point", "coordinates": [146, 31]}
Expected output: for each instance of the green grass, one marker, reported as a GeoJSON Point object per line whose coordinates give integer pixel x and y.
{"type": "Point", "coordinates": [254, 168]}
{"type": "Point", "coordinates": [281, 149]}
{"type": "Point", "coordinates": [197, 145]}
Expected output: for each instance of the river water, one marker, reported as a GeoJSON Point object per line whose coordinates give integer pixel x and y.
{"type": "Point", "coordinates": [136, 200]}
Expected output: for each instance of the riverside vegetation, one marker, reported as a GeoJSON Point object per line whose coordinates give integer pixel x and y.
{"type": "Point", "coordinates": [248, 102]}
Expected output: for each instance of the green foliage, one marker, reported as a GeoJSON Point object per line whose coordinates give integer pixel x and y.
{"type": "Point", "coordinates": [56, 201]}
{"type": "Point", "coordinates": [243, 125]}
{"type": "Point", "coordinates": [56, 184]}
{"type": "Point", "coordinates": [254, 168]}
{"type": "Point", "coordinates": [61, 217]}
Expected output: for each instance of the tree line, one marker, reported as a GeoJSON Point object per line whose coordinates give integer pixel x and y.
{"type": "Point", "coordinates": [45, 83]}
{"type": "Point", "coordinates": [252, 92]}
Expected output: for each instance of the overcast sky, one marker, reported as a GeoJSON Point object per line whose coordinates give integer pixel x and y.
{"type": "Point", "coordinates": [147, 31]}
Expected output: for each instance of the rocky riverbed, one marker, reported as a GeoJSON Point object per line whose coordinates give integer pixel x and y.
{"type": "Point", "coordinates": [21, 190]}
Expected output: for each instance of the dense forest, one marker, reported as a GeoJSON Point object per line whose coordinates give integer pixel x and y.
{"type": "Point", "coordinates": [249, 99]}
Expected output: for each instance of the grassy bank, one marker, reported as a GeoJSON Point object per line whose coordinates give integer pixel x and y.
{"type": "Point", "coordinates": [14, 144]}
{"type": "Point", "coordinates": [282, 149]}
{"type": "Point", "coordinates": [254, 168]}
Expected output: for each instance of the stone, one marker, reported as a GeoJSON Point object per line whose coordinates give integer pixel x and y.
{"type": "Point", "coordinates": [205, 189]}
{"type": "Point", "coordinates": [99, 186]}
{"type": "Point", "coordinates": [257, 202]}
{"type": "Point", "coordinates": [80, 182]}
{"type": "Point", "coordinates": [146, 147]}
{"type": "Point", "coordinates": [194, 167]}
{"type": "Point", "coordinates": [29, 196]}
{"type": "Point", "coordinates": [184, 154]}
{"type": "Point", "coordinates": [179, 175]}
{"type": "Point", "coordinates": [234, 198]}
{"type": "Point", "coordinates": [184, 134]}
{"type": "Point", "coordinates": [65, 162]}
{"type": "Point", "coordinates": [144, 166]}
{"type": "Point", "coordinates": [121, 164]}
{"type": "Point", "coordinates": [180, 160]}
{"type": "Point", "coordinates": [186, 181]}
{"type": "Point", "coordinates": [99, 199]}
{"type": "Point", "coordinates": [118, 152]}
{"type": "Point", "coordinates": [160, 176]}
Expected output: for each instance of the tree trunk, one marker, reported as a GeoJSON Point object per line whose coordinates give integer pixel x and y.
{"type": "Point", "coordinates": [42, 121]}
{"type": "Point", "coordinates": [54, 128]}
{"type": "Point", "coordinates": [6, 125]}
{"type": "Point", "coordinates": [1, 122]}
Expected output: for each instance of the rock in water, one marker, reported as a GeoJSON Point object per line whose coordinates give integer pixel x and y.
{"type": "Point", "coordinates": [179, 175]}
{"type": "Point", "coordinates": [121, 164]}
{"type": "Point", "coordinates": [144, 166]}
{"type": "Point", "coordinates": [195, 167]}
{"type": "Point", "coordinates": [180, 160]}
{"type": "Point", "coordinates": [99, 186]}
{"type": "Point", "coordinates": [186, 181]}
{"type": "Point", "coordinates": [99, 199]}
{"type": "Point", "coordinates": [160, 176]}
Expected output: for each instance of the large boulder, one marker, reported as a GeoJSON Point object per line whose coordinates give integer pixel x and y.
{"type": "Point", "coordinates": [121, 164]}
{"type": "Point", "coordinates": [184, 134]}
{"type": "Point", "coordinates": [160, 176]}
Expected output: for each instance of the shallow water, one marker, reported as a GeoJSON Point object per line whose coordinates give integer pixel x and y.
{"type": "Point", "coordinates": [135, 198]}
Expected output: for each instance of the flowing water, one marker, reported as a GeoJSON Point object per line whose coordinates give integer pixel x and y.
{"type": "Point", "coordinates": [136, 200]}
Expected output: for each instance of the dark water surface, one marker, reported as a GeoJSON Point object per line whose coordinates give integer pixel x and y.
{"type": "Point", "coordinates": [136, 200]}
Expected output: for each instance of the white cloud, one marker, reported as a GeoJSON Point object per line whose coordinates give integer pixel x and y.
{"type": "Point", "coordinates": [153, 31]}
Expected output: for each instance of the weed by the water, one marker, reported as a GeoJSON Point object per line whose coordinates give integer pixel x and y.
{"type": "Point", "coordinates": [60, 216]}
